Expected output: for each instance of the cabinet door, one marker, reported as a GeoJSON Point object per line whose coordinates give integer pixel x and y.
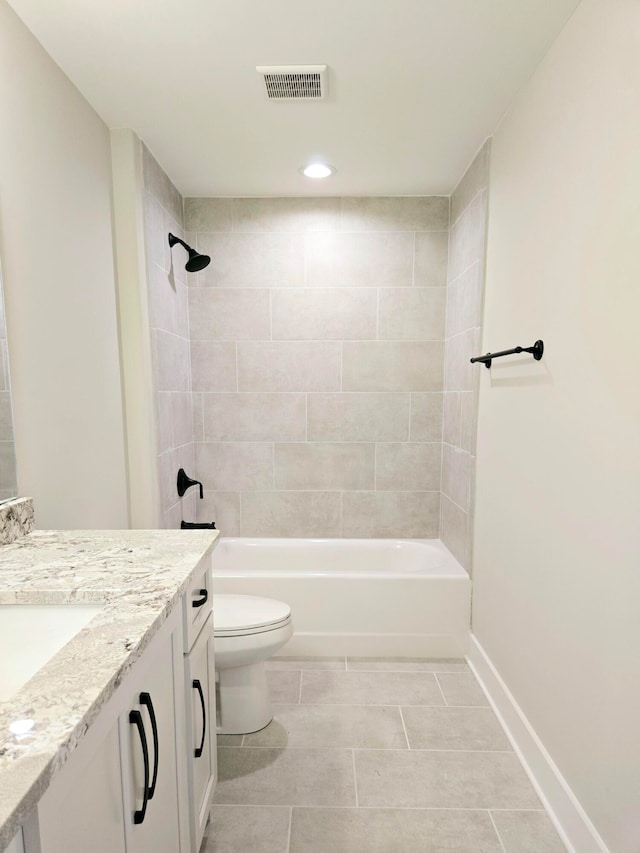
{"type": "Point", "coordinates": [82, 809]}
{"type": "Point", "coordinates": [16, 845]}
{"type": "Point", "coordinates": [153, 731]}
{"type": "Point", "coordinates": [201, 731]}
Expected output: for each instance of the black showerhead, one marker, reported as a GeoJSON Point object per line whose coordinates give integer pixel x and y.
{"type": "Point", "coordinates": [196, 261]}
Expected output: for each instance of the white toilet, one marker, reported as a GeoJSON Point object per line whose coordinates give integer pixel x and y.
{"type": "Point", "coordinates": [247, 630]}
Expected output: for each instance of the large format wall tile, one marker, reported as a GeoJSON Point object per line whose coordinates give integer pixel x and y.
{"type": "Point", "coordinates": [230, 314]}
{"type": "Point", "coordinates": [221, 507]}
{"type": "Point", "coordinates": [384, 514]}
{"type": "Point", "coordinates": [324, 466]}
{"type": "Point", "coordinates": [360, 260]}
{"type": "Point", "coordinates": [305, 514]}
{"type": "Point", "coordinates": [235, 465]}
{"type": "Point", "coordinates": [430, 259]}
{"type": "Point", "coordinates": [466, 272]}
{"type": "Point", "coordinates": [408, 466]}
{"type": "Point", "coordinates": [329, 314]}
{"type": "Point", "coordinates": [252, 260]}
{"type": "Point", "coordinates": [289, 366]}
{"type": "Point", "coordinates": [411, 313]}
{"type": "Point", "coordinates": [358, 417]}
{"type": "Point", "coordinates": [254, 417]}
{"type": "Point", "coordinates": [426, 417]}
{"type": "Point", "coordinates": [456, 476]}
{"type": "Point", "coordinates": [213, 366]}
{"type": "Point", "coordinates": [392, 365]}
{"type": "Point", "coordinates": [172, 362]}
{"type": "Point", "coordinates": [317, 335]}
{"type": "Point", "coordinates": [208, 214]}
{"type": "Point", "coordinates": [296, 215]}
{"type": "Point", "coordinates": [405, 213]}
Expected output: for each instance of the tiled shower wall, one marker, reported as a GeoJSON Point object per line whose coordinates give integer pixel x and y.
{"type": "Point", "coordinates": [465, 288]}
{"type": "Point", "coordinates": [169, 322]}
{"type": "Point", "coordinates": [317, 345]}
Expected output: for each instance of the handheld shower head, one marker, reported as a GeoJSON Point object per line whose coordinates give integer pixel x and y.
{"type": "Point", "coordinates": [196, 261]}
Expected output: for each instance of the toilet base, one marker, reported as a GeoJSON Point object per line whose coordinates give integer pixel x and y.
{"type": "Point", "coordinates": [244, 703]}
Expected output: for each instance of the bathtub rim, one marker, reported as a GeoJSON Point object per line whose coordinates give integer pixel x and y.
{"type": "Point", "coordinates": [453, 571]}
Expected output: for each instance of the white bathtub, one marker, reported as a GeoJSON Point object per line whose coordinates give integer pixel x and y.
{"type": "Point", "coordinates": [364, 597]}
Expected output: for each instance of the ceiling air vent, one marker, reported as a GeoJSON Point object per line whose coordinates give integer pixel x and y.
{"type": "Point", "coordinates": [294, 82]}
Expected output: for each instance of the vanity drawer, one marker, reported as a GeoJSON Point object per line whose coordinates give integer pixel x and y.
{"type": "Point", "coordinates": [197, 603]}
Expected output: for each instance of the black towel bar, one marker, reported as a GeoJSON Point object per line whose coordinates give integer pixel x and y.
{"type": "Point", "coordinates": [536, 351]}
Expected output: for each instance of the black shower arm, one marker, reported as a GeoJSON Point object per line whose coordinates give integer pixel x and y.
{"type": "Point", "coordinates": [173, 240]}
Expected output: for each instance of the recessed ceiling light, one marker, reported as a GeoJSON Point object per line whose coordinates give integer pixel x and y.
{"type": "Point", "coordinates": [318, 170]}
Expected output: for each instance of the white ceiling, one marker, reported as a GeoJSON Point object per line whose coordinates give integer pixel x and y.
{"type": "Point", "coordinates": [415, 85]}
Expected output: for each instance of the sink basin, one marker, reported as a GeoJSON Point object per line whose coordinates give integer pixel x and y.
{"type": "Point", "coordinates": [31, 634]}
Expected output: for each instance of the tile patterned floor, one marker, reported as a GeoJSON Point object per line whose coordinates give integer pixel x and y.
{"type": "Point", "coordinates": [362, 756]}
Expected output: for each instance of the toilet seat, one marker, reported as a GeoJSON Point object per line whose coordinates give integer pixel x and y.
{"type": "Point", "coordinates": [243, 615]}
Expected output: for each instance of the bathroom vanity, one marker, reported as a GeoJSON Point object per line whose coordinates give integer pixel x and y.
{"type": "Point", "coordinates": [110, 746]}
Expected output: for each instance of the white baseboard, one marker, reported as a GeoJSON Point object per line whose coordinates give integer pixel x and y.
{"type": "Point", "coordinates": [569, 818]}
{"type": "Point", "coordinates": [305, 644]}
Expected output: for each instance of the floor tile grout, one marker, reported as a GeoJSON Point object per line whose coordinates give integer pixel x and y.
{"type": "Point", "coordinates": [403, 751]}
{"type": "Point", "coordinates": [404, 728]}
{"type": "Point", "coordinates": [355, 776]}
{"type": "Point", "coordinates": [374, 808]}
{"type": "Point", "coordinates": [444, 698]}
{"type": "Point", "coordinates": [493, 823]}
{"type": "Point", "coordinates": [290, 826]}
{"type": "Point", "coordinates": [374, 722]}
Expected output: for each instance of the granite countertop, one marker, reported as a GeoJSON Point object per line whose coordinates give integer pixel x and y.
{"type": "Point", "coordinates": [139, 575]}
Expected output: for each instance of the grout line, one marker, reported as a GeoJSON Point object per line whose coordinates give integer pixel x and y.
{"type": "Point", "coordinates": [503, 848]}
{"type": "Point", "coordinates": [375, 467]}
{"type": "Point", "coordinates": [413, 267]}
{"type": "Point", "coordinates": [413, 750]}
{"type": "Point", "coordinates": [270, 314]}
{"type": "Point", "coordinates": [411, 414]}
{"type": "Point", "coordinates": [435, 675]}
{"type": "Point", "coordinates": [300, 690]}
{"type": "Point", "coordinates": [355, 778]}
{"type": "Point", "coordinates": [404, 728]}
{"type": "Point", "coordinates": [290, 824]}
{"type": "Point", "coordinates": [374, 808]}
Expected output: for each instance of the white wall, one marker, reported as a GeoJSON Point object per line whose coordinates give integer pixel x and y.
{"type": "Point", "coordinates": [57, 256]}
{"type": "Point", "coordinates": [557, 532]}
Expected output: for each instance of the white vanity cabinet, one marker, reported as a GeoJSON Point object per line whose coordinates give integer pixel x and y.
{"type": "Point", "coordinates": [149, 736]}
{"type": "Point", "coordinates": [17, 845]}
{"type": "Point", "coordinates": [99, 801]}
{"type": "Point", "coordinates": [200, 696]}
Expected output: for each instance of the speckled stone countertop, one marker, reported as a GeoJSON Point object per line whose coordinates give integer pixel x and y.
{"type": "Point", "coordinates": [139, 575]}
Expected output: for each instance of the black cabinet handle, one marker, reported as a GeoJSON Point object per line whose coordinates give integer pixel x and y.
{"type": "Point", "coordinates": [203, 600]}
{"type": "Point", "coordinates": [145, 699]}
{"type": "Point", "coordinates": [135, 719]}
{"type": "Point", "coordinates": [197, 686]}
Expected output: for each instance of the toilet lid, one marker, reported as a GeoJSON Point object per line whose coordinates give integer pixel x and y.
{"type": "Point", "coordinates": [243, 612]}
